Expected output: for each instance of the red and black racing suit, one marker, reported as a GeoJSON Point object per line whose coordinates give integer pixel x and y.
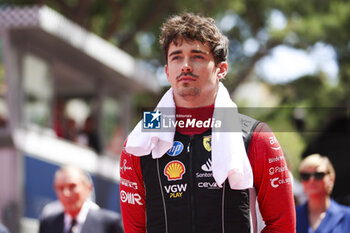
{"type": "Point", "coordinates": [177, 193]}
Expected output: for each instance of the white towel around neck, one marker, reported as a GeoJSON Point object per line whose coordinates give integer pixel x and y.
{"type": "Point", "coordinates": [229, 158]}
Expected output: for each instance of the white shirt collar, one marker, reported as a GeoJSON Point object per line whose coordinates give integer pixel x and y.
{"type": "Point", "coordinates": [81, 217]}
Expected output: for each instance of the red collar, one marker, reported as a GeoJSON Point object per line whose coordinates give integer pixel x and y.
{"type": "Point", "coordinates": [199, 114]}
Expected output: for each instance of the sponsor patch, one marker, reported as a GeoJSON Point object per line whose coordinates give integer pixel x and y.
{"type": "Point", "coordinates": [176, 191]}
{"type": "Point", "coordinates": [204, 175]}
{"type": "Point", "coordinates": [276, 159]}
{"type": "Point", "coordinates": [124, 167]}
{"type": "Point", "coordinates": [131, 198]}
{"type": "Point", "coordinates": [176, 149]}
{"type": "Point", "coordinates": [274, 170]}
{"type": "Point", "coordinates": [276, 148]}
{"type": "Point", "coordinates": [208, 185]}
{"type": "Point", "coordinates": [276, 182]}
{"type": "Point", "coordinates": [207, 143]}
{"type": "Point", "coordinates": [128, 183]}
{"type": "Point", "coordinates": [207, 166]}
{"type": "Point", "coordinates": [174, 170]}
{"type": "Point", "coordinates": [272, 140]}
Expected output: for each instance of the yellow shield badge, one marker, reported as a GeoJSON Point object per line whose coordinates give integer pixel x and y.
{"type": "Point", "coordinates": [207, 143]}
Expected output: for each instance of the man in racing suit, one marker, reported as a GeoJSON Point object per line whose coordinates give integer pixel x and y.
{"type": "Point", "coordinates": [184, 181]}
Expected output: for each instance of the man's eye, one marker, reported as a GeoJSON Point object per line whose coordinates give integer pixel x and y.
{"type": "Point", "coordinates": [198, 57]}
{"type": "Point", "coordinates": [175, 58]}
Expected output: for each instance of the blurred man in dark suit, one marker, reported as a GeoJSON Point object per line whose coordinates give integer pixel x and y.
{"type": "Point", "coordinates": [79, 215]}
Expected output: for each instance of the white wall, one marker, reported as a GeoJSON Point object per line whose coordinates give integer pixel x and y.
{"type": "Point", "coordinates": [29, 225]}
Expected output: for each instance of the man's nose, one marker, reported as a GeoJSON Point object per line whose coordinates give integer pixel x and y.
{"type": "Point", "coordinates": [66, 191]}
{"type": "Point", "coordinates": [186, 68]}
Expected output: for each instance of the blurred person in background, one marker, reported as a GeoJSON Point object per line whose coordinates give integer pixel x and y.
{"type": "Point", "coordinates": [89, 135]}
{"type": "Point", "coordinates": [3, 229]}
{"type": "Point", "coordinates": [320, 214]}
{"type": "Point", "coordinates": [79, 214]}
{"type": "Point", "coordinates": [55, 206]}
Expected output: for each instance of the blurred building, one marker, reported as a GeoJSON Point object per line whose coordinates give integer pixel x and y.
{"type": "Point", "coordinates": [64, 94]}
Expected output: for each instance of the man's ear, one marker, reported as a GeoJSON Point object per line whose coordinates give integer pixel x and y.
{"type": "Point", "coordinates": [90, 188]}
{"type": "Point", "coordinates": [222, 70]}
{"type": "Point", "coordinates": [166, 71]}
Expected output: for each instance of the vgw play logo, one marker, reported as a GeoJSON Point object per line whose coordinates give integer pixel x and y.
{"type": "Point", "coordinates": [152, 120]}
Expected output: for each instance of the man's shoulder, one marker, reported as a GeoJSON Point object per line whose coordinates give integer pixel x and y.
{"type": "Point", "coordinates": [51, 222]}
{"type": "Point", "coordinates": [52, 208]}
{"type": "Point", "coordinates": [99, 219]}
{"type": "Point", "coordinates": [105, 218]}
{"type": "Point", "coordinates": [247, 122]}
{"type": "Point", "coordinates": [105, 214]}
{"type": "Point", "coordinates": [248, 125]}
{"type": "Point", "coordinates": [52, 216]}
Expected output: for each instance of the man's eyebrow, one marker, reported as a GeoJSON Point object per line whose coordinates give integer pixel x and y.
{"type": "Point", "coordinates": [199, 51]}
{"type": "Point", "coordinates": [175, 53]}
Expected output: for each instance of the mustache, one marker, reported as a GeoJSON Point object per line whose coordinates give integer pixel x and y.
{"type": "Point", "coordinates": [187, 74]}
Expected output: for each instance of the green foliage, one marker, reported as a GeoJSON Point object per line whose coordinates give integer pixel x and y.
{"type": "Point", "coordinates": [307, 22]}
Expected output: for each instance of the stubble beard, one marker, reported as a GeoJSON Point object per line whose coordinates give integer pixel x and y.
{"type": "Point", "coordinates": [188, 91]}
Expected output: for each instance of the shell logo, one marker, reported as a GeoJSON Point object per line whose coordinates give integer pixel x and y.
{"type": "Point", "coordinates": [174, 170]}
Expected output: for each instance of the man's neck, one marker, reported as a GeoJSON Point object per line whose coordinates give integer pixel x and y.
{"type": "Point", "coordinates": [74, 214]}
{"type": "Point", "coordinates": [194, 102]}
{"type": "Point", "coordinates": [81, 213]}
{"type": "Point", "coordinates": [197, 114]}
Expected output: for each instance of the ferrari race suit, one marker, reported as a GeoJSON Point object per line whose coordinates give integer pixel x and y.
{"type": "Point", "coordinates": [177, 193]}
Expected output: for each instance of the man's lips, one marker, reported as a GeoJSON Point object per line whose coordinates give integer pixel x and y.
{"type": "Point", "coordinates": [186, 78]}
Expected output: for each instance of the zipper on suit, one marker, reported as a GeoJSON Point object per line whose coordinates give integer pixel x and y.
{"type": "Point", "coordinates": [191, 184]}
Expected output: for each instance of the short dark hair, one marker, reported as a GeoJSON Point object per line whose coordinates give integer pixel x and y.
{"type": "Point", "coordinates": [191, 27]}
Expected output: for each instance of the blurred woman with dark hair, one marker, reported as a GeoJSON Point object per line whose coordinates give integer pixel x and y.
{"type": "Point", "coordinates": [320, 214]}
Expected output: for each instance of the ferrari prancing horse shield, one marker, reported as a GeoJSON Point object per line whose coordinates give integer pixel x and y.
{"type": "Point", "coordinates": [207, 143]}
